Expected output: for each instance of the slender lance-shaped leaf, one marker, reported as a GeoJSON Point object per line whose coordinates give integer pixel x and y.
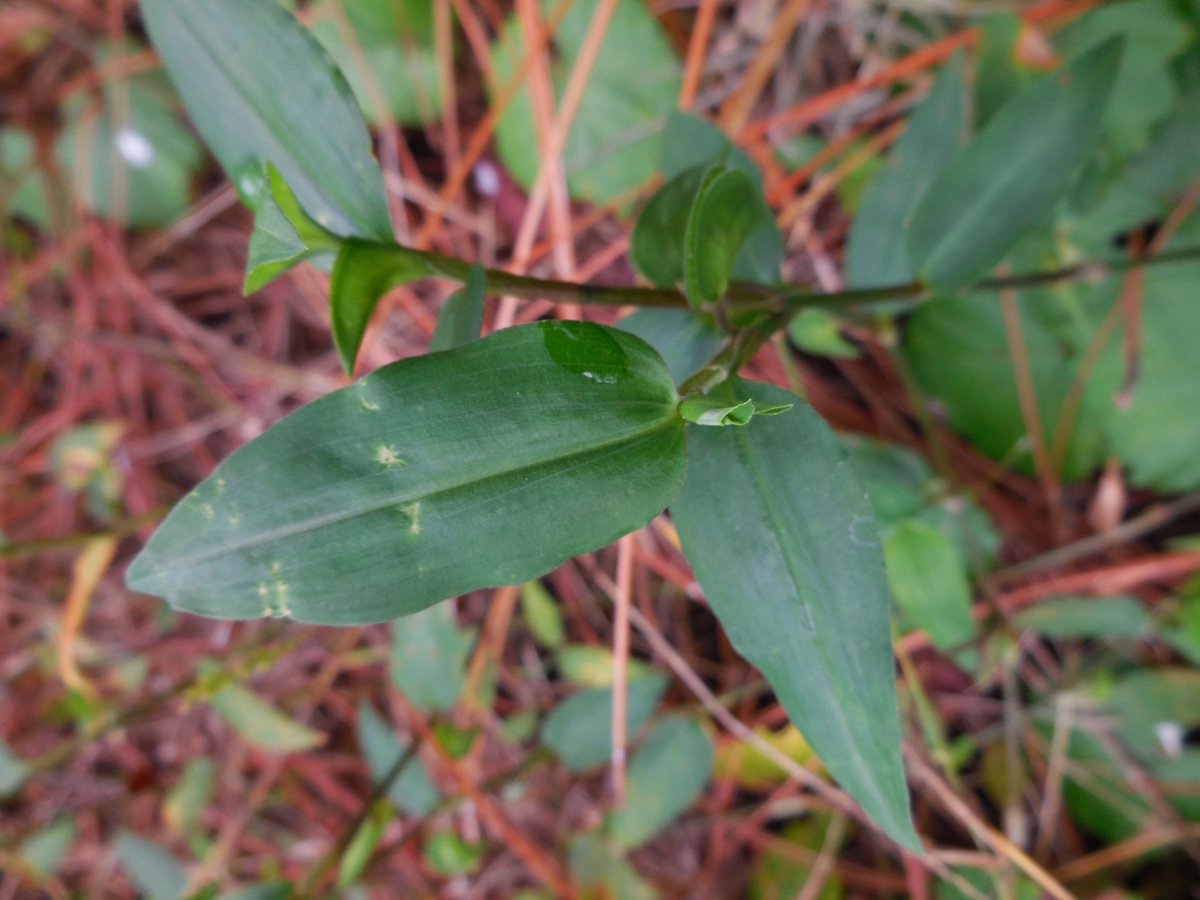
{"type": "Point", "coordinates": [260, 87]}
{"type": "Point", "coordinates": [1008, 179]}
{"type": "Point", "coordinates": [875, 255]}
{"type": "Point", "coordinates": [461, 316]}
{"type": "Point", "coordinates": [363, 273]}
{"type": "Point", "coordinates": [433, 476]}
{"type": "Point", "coordinates": [781, 537]}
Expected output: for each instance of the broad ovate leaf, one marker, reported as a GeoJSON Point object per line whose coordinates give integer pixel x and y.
{"type": "Point", "coordinates": [781, 537]}
{"type": "Point", "coordinates": [433, 476]}
{"type": "Point", "coordinates": [1009, 178]}
{"type": "Point", "coordinates": [929, 582]}
{"type": "Point", "coordinates": [260, 87]}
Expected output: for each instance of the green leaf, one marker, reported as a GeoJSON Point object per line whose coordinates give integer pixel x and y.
{"type": "Point", "coordinates": [998, 77]}
{"type": "Point", "coordinates": [959, 354]}
{"type": "Point", "coordinates": [448, 854]}
{"type": "Point", "coordinates": [579, 728]}
{"type": "Point", "coordinates": [155, 873]}
{"type": "Point", "coordinates": [43, 851]}
{"type": "Point", "coordinates": [666, 775]}
{"type": "Point", "coordinates": [260, 87]}
{"type": "Point", "coordinates": [781, 538]}
{"type": "Point", "coordinates": [22, 186]}
{"type": "Point", "coordinates": [1144, 91]}
{"type": "Point", "coordinates": [875, 254]}
{"type": "Point", "coordinates": [1157, 435]}
{"type": "Point", "coordinates": [612, 145]}
{"type": "Point", "coordinates": [433, 476]}
{"type": "Point", "coordinates": [601, 867]}
{"type": "Point", "coordinates": [928, 579]}
{"type": "Point", "coordinates": [895, 477]}
{"type": "Point", "coordinates": [429, 657]}
{"type": "Point", "coordinates": [265, 890]}
{"type": "Point", "coordinates": [1086, 617]}
{"type": "Point", "coordinates": [13, 771]}
{"type": "Point", "coordinates": [413, 791]}
{"type": "Point", "coordinates": [461, 316]}
{"type": "Point", "coordinates": [363, 273]}
{"type": "Point", "coordinates": [183, 805]}
{"type": "Point", "coordinates": [1009, 178]}
{"type": "Point", "coordinates": [685, 339]}
{"type": "Point", "coordinates": [592, 666]}
{"type": "Point", "coordinates": [704, 410]}
{"type": "Point", "coordinates": [138, 167]}
{"type": "Point", "coordinates": [656, 243]}
{"type": "Point", "coordinates": [728, 208]}
{"type": "Point", "coordinates": [542, 615]}
{"type": "Point", "coordinates": [395, 41]}
{"type": "Point", "coordinates": [1147, 699]}
{"type": "Point", "coordinates": [362, 845]}
{"type": "Point", "coordinates": [819, 332]}
{"type": "Point", "coordinates": [1147, 188]}
{"type": "Point", "coordinates": [283, 235]}
{"type": "Point", "coordinates": [261, 724]}
{"type": "Point", "coordinates": [689, 142]}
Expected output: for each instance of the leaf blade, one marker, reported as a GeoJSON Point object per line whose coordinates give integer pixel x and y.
{"type": "Point", "coordinates": [806, 553]}
{"type": "Point", "coordinates": [260, 87]}
{"type": "Point", "coordinates": [411, 479]}
{"type": "Point", "coordinates": [1008, 179]}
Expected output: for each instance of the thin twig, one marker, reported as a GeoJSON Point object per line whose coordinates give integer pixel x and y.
{"type": "Point", "coordinates": [623, 601]}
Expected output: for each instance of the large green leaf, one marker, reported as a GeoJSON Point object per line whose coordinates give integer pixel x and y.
{"type": "Point", "coordinates": [260, 88]}
{"type": "Point", "coordinates": [396, 43]}
{"type": "Point", "coordinates": [633, 85]}
{"type": "Point", "coordinates": [1144, 91]}
{"type": "Point", "coordinates": [1008, 179]}
{"type": "Point", "coordinates": [781, 537]}
{"type": "Point", "coordinates": [875, 254]}
{"type": "Point", "coordinates": [433, 476]}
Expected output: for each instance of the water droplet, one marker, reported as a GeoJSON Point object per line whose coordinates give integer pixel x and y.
{"type": "Point", "coordinates": [864, 532]}
{"type": "Point", "coordinates": [586, 349]}
{"type": "Point", "coordinates": [134, 148]}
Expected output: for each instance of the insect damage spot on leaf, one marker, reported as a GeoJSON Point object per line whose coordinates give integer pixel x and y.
{"type": "Point", "coordinates": [412, 510]}
{"type": "Point", "coordinates": [388, 457]}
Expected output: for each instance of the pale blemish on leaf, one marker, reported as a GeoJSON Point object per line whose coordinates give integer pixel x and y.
{"type": "Point", "coordinates": [220, 485]}
{"type": "Point", "coordinates": [412, 510]}
{"type": "Point", "coordinates": [387, 456]}
{"type": "Point", "coordinates": [207, 511]}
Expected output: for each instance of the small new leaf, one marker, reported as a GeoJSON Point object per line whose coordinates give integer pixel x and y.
{"type": "Point", "coordinates": [704, 410]}
{"type": "Point", "coordinates": [728, 208]}
{"type": "Point", "coordinates": [283, 235]}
